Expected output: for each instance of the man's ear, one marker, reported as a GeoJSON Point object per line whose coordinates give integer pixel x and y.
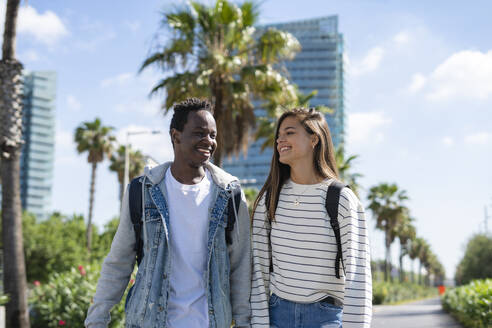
{"type": "Point", "coordinates": [175, 136]}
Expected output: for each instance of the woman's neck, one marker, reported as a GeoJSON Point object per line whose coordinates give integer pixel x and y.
{"type": "Point", "coordinates": [304, 176]}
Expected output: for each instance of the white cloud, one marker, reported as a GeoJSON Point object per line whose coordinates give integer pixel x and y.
{"type": "Point", "coordinates": [158, 146]}
{"type": "Point", "coordinates": [118, 80]}
{"type": "Point", "coordinates": [418, 82]}
{"type": "Point", "coordinates": [366, 127]}
{"type": "Point", "coordinates": [65, 148]}
{"type": "Point", "coordinates": [93, 43]}
{"type": "Point", "coordinates": [464, 75]}
{"type": "Point", "coordinates": [369, 63]}
{"type": "Point", "coordinates": [147, 107]}
{"type": "Point", "coordinates": [401, 38]}
{"type": "Point", "coordinates": [29, 55]}
{"type": "Point", "coordinates": [133, 26]}
{"type": "Point", "coordinates": [2, 16]}
{"type": "Point", "coordinates": [73, 103]}
{"type": "Point", "coordinates": [480, 138]}
{"type": "Point", "coordinates": [447, 141]}
{"type": "Point", "coordinates": [45, 27]}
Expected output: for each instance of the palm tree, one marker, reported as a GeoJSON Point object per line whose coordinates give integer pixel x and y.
{"type": "Point", "coordinates": [137, 164]}
{"type": "Point", "coordinates": [387, 208]}
{"type": "Point", "coordinates": [96, 139]}
{"type": "Point", "coordinates": [414, 251]}
{"type": "Point", "coordinates": [423, 257]}
{"type": "Point", "coordinates": [344, 165]}
{"type": "Point", "coordinates": [406, 233]}
{"type": "Point", "coordinates": [216, 52]}
{"type": "Point", "coordinates": [10, 145]}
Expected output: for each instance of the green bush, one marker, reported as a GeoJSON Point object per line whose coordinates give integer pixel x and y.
{"type": "Point", "coordinates": [4, 299]}
{"type": "Point", "coordinates": [65, 298]}
{"type": "Point", "coordinates": [385, 292]}
{"type": "Point", "coordinates": [59, 243]}
{"type": "Point", "coordinates": [54, 245]}
{"type": "Point", "coordinates": [477, 261]}
{"type": "Point", "coordinates": [471, 304]}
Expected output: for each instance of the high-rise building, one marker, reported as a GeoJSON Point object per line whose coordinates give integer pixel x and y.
{"type": "Point", "coordinates": [318, 66]}
{"type": "Point", "coordinates": [37, 156]}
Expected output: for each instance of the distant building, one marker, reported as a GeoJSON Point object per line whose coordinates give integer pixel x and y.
{"type": "Point", "coordinates": [37, 158]}
{"type": "Point", "coordinates": [319, 66]}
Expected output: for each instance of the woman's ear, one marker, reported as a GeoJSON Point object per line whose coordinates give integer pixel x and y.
{"type": "Point", "coordinates": [314, 140]}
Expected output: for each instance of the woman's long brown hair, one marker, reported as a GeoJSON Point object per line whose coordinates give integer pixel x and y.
{"type": "Point", "coordinates": [324, 157]}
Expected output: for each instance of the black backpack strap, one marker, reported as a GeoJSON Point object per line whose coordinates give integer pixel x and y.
{"type": "Point", "coordinates": [232, 211]}
{"type": "Point", "coordinates": [331, 204]}
{"type": "Point", "coordinates": [135, 199]}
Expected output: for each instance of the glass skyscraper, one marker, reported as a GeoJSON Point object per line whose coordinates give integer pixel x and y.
{"type": "Point", "coordinates": [37, 156]}
{"type": "Point", "coordinates": [318, 66]}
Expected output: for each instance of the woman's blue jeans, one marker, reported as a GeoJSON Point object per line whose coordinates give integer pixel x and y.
{"type": "Point", "coordinates": [287, 314]}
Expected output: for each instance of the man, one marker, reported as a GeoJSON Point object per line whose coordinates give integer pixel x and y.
{"type": "Point", "coordinates": [196, 267]}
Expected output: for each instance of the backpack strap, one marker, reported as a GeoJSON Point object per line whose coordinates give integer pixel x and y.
{"type": "Point", "coordinates": [232, 212]}
{"type": "Point", "coordinates": [135, 199]}
{"type": "Point", "coordinates": [331, 204]}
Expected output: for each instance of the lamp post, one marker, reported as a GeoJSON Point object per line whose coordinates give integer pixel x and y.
{"type": "Point", "coordinates": [126, 179]}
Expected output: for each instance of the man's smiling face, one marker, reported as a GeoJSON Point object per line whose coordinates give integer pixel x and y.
{"type": "Point", "coordinates": [197, 142]}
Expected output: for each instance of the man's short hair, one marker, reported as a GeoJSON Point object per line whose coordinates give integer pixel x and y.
{"type": "Point", "coordinates": [182, 109]}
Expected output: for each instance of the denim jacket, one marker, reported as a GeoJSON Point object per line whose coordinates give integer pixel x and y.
{"type": "Point", "coordinates": [228, 272]}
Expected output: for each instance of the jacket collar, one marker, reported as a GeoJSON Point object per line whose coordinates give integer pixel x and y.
{"type": "Point", "coordinates": [219, 176]}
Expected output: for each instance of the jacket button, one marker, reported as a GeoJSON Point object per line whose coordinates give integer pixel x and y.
{"type": "Point", "coordinates": [164, 276]}
{"type": "Point", "coordinates": [161, 308]}
{"type": "Point", "coordinates": [211, 311]}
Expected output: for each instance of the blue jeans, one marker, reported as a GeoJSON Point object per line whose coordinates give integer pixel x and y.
{"type": "Point", "coordinates": [287, 314]}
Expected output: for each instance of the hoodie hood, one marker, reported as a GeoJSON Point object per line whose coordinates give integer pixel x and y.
{"type": "Point", "coordinates": [219, 176]}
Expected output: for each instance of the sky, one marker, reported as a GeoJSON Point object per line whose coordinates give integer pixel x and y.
{"type": "Point", "coordinates": [418, 89]}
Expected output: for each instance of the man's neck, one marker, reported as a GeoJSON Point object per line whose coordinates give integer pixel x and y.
{"type": "Point", "coordinates": [186, 174]}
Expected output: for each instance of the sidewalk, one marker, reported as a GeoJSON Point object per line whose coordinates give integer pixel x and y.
{"type": "Point", "coordinates": [420, 314]}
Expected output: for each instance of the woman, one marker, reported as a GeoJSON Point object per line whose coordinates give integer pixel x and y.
{"type": "Point", "coordinates": [294, 283]}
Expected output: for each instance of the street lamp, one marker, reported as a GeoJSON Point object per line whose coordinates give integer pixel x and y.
{"type": "Point", "coordinates": [127, 152]}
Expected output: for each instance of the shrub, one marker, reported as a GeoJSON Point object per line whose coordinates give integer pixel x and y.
{"type": "Point", "coordinates": [65, 298]}
{"type": "Point", "coordinates": [385, 292]}
{"type": "Point", "coordinates": [59, 243]}
{"type": "Point", "coordinates": [471, 304]}
{"type": "Point", "coordinates": [54, 245]}
{"type": "Point", "coordinates": [477, 261]}
{"type": "Point", "coordinates": [4, 299]}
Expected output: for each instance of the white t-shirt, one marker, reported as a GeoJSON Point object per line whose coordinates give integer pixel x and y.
{"type": "Point", "coordinates": [188, 230]}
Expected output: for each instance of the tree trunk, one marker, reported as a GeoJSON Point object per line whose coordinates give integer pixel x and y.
{"type": "Point", "coordinates": [8, 47]}
{"type": "Point", "coordinates": [14, 276]}
{"type": "Point", "coordinates": [91, 206]}
{"type": "Point", "coordinates": [413, 272]}
{"type": "Point", "coordinates": [402, 274]}
{"type": "Point", "coordinates": [14, 279]}
{"type": "Point", "coordinates": [387, 261]}
{"type": "Point", "coordinates": [218, 115]}
{"type": "Point", "coordinates": [420, 272]}
{"type": "Point", "coordinates": [121, 194]}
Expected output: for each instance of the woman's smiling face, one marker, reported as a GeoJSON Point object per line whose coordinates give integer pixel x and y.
{"type": "Point", "coordinates": [293, 142]}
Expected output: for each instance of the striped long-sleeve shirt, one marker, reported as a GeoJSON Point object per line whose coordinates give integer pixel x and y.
{"type": "Point", "coordinates": [302, 248]}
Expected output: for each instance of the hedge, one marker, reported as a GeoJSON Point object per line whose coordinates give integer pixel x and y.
{"type": "Point", "coordinates": [471, 304]}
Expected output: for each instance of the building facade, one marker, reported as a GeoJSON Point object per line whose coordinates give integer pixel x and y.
{"type": "Point", "coordinates": [37, 158]}
{"type": "Point", "coordinates": [318, 66]}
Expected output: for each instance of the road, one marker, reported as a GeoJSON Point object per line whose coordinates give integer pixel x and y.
{"type": "Point", "coordinates": [420, 314]}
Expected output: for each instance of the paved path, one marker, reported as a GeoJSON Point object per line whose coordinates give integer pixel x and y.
{"type": "Point", "coordinates": [420, 314]}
